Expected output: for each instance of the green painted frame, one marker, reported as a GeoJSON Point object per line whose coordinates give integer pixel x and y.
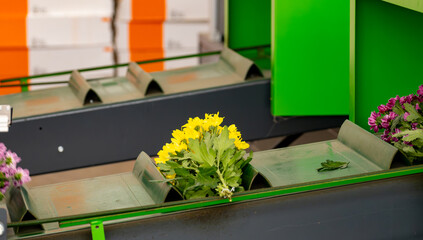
{"type": "Point", "coordinates": [383, 35]}
{"type": "Point", "coordinates": [247, 23]}
{"type": "Point", "coordinates": [310, 57]}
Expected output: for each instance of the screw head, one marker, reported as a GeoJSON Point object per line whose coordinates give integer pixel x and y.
{"type": "Point", "coordinates": [60, 149]}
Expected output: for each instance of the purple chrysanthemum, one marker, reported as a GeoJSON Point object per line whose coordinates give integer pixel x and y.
{"type": "Point", "coordinates": [420, 90]}
{"type": "Point", "coordinates": [391, 102]}
{"type": "Point", "coordinates": [406, 115]}
{"type": "Point", "coordinates": [21, 177]}
{"type": "Point", "coordinates": [387, 119]}
{"type": "Point", "coordinates": [414, 126]}
{"type": "Point", "coordinates": [382, 108]}
{"type": "Point", "coordinates": [373, 121]}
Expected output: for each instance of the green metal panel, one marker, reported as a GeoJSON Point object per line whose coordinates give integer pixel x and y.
{"type": "Point", "coordinates": [389, 55]}
{"type": "Point", "coordinates": [310, 57]}
{"type": "Point", "coordinates": [416, 5]}
{"type": "Point", "coordinates": [248, 24]}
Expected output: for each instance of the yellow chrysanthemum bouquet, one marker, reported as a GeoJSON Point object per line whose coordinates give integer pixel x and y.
{"type": "Point", "coordinates": [204, 158]}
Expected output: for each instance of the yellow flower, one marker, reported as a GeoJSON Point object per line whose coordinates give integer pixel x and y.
{"type": "Point", "coordinates": [171, 176]}
{"type": "Point", "coordinates": [178, 135]}
{"type": "Point", "coordinates": [179, 146]}
{"type": "Point", "coordinates": [241, 144]}
{"type": "Point", "coordinates": [193, 123]}
{"type": "Point", "coordinates": [212, 120]}
{"type": "Point", "coordinates": [219, 129]}
{"type": "Point", "coordinates": [191, 133]}
{"type": "Point", "coordinates": [233, 133]}
{"type": "Point", "coordinates": [232, 128]}
{"type": "Point", "coordinates": [163, 157]}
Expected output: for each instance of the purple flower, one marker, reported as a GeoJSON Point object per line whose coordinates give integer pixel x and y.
{"type": "Point", "coordinates": [4, 186]}
{"type": "Point", "coordinates": [391, 102]}
{"type": "Point", "coordinates": [387, 119]}
{"type": "Point", "coordinates": [21, 177]}
{"type": "Point", "coordinates": [7, 171]}
{"type": "Point", "coordinates": [12, 158]}
{"type": "Point", "coordinates": [373, 121]}
{"type": "Point", "coordinates": [382, 108]}
{"type": "Point", "coordinates": [414, 126]}
{"type": "Point", "coordinates": [408, 143]}
{"type": "Point", "coordinates": [386, 136]}
{"type": "Point", "coordinates": [406, 99]}
{"type": "Point", "coordinates": [420, 90]}
{"type": "Point", "coordinates": [406, 115]}
{"type": "Point", "coordinates": [418, 107]}
{"type": "Point", "coordinates": [2, 150]}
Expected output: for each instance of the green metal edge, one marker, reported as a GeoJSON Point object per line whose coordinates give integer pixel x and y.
{"type": "Point", "coordinates": [352, 62]}
{"type": "Point", "coordinates": [415, 5]}
{"type": "Point", "coordinates": [97, 230]}
{"type": "Point", "coordinates": [240, 197]}
{"type": "Point", "coordinates": [119, 65]}
{"type": "Point", "coordinates": [245, 196]}
{"type": "Point", "coordinates": [272, 56]}
{"type": "Point", "coordinates": [226, 23]}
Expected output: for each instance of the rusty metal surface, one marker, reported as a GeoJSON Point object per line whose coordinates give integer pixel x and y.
{"type": "Point", "coordinates": [293, 165]}
{"type": "Point", "coordinates": [132, 189]}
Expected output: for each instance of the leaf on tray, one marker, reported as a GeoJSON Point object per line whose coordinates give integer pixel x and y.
{"type": "Point", "coordinates": [330, 165]}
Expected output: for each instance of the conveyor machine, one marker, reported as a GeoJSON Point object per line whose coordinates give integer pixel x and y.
{"type": "Point", "coordinates": [375, 197]}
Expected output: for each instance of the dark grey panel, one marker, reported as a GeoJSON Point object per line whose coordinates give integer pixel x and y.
{"type": "Point", "coordinates": [116, 132]}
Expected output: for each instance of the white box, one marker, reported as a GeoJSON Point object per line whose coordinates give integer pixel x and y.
{"type": "Point", "coordinates": [176, 35]}
{"type": "Point", "coordinates": [44, 31]}
{"type": "Point", "coordinates": [181, 35]}
{"type": "Point", "coordinates": [178, 10]}
{"type": "Point", "coordinates": [188, 10]}
{"type": "Point", "coordinates": [42, 61]}
{"type": "Point", "coordinates": [70, 7]}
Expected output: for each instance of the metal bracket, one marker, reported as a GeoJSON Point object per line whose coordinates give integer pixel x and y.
{"type": "Point", "coordinates": [97, 230]}
{"type": "Point", "coordinates": [3, 224]}
{"type": "Point", "coordinates": [5, 117]}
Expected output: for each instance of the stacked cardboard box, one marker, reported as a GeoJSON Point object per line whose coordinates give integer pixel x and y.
{"type": "Point", "coordinates": [162, 28]}
{"type": "Point", "coordinates": [42, 36]}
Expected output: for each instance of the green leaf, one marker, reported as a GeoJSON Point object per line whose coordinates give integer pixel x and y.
{"type": "Point", "coordinates": [226, 158]}
{"type": "Point", "coordinates": [330, 165]}
{"type": "Point", "coordinates": [403, 133]}
{"type": "Point", "coordinates": [207, 180]}
{"type": "Point", "coordinates": [223, 142]}
{"type": "Point", "coordinates": [247, 161]}
{"type": "Point", "coordinates": [408, 149]}
{"type": "Point", "coordinates": [398, 108]}
{"type": "Point", "coordinates": [414, 115]}
{"type": "Point", "coordinates": [183, 172]}
{"type": "Point", "coordinates": [413, 135]}
{"type": "Point", "coordinates": [200, 154]}
{"type": "Point", "coordinates": [418, 143]}
{"type": "Point", "coordinates": [395, 122]}
{"type": "Point", "coordinates": [164, 167]}
{"type": "Point", "coordinates": [200, 193]}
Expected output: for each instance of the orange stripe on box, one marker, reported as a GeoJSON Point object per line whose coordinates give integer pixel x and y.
{"type": "Point", "coordinates": [13, 63]}
{"type": "Point", "coordinates": [148, 10]}
{"type": "Point", "coordinates": [13, 8]}
{"type": "Point", "coordinates": [141, 55]}
{"type": "Point", "coordinates": [13, 31]}
{"type": "Point", "coordinates": [145, 35]}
